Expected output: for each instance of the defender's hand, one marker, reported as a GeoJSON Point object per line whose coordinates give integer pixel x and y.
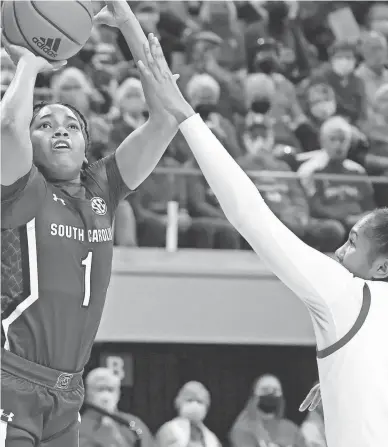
{"type": "Point", "coordinates": [158, 78]}
{"type": "Point", "coordinates": [16, 53]}
{"type": "Point", "coordinates": [312, 400]}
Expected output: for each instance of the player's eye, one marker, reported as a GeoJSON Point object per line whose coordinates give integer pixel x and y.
{"type": "Point", "coordinates": [74, 126]}
{"type": "Point", "coordinates": [45, 126]}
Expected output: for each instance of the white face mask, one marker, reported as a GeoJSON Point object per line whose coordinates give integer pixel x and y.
{"type": "Point", "coordinates": [323, 110]}
{"type": "Point", "coordinates": [193, 411]}
{"type": "Point", "coordinates": [343, 66]}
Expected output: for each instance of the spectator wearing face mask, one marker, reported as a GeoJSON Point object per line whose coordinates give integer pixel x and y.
{"type": "Point", "coordinates": [296, 56]}
{"type": "Point", "coordinates": [372, 71]}
{"type": "Point", "coordinates": [349, 89]}
{"type": "Point", "coordinates": [285, 196]}
{"type": "Point", "coordinates": [274, 96]}
{"type": "Point", "coordinates": [341, 200]}
{"type": "Point", "coordinates": [203, 93]}
{"type": "Point", "coordinates": [320, 104]}
{"type": "Point", "coordinates": [96, 430]}
{"type": "Point", "coordinates": [203, 53]}
{"type": "Point", "coordinates": [262, 422]}
{"type": "Point", "coordinates": [313, 428]}
{"type": "Point", "coordinates": [188, 429]}
{"type": "Point", "coordinates": [130, 110]}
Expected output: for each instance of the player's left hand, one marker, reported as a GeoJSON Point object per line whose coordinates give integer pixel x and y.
{"type": "Point", "coordinates": [158, 79]}
{"type": "Point", "coordinates": [312, 400]}
{"type": "Point", "coordinates": [114, 14]}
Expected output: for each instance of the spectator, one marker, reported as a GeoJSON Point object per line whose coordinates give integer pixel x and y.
{"type": "Point", "coordinates": [103, 390]}
{"type": "Point", "coordinates": [340, 200]}
{"type": "Point", "coordinates": [295, 54]}
{"type": "Point", "coordinates": [349, 89]}
{"type": "Point", "coordinates": [274, 96]}
{"type": "Point", "coordinates": [320, 105]}
{"type": "Point", "coordinates": [313, 428]}
{"type": "Point", "coordinates": [220, 17]}
{"type": "Point", "coordinates": [285, 196]}
{"type": "Point", "coordinates": [210, 228]}
{"type": "Point", "coordinates": [130, 110]}
{"type": "Point", "coordinates": [163, 23]}
{"type": "Point", "coordinates": [378, 18]}
{"type": "Point", "coordinates": [150, 205]}
{"type": "Point", "coordinates": [262, 421]}
{"type": "Point", "coordinates": [71, 86]}
{"type": "Point", "coordinates": [203, 93]}
{"type": "Point", "coordinates": [188, 429]}
{"type": "Point", "coordinates": [372, 71]}
{"type": "Point", "coordinates": [203, 57]}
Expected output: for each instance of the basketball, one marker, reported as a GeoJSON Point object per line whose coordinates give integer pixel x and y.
{"type": "Point", "coordinates": [55, 30]}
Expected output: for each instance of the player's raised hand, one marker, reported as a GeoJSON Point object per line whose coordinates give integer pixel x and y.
{"type": "Point", "coordinates": [17, 52]}
{"type": "Point", "coordinates": [312, 399]}
{"type": "Point", "coordinates": [114, 14]}
{"type": "Point", "coordinates": [157, 77]}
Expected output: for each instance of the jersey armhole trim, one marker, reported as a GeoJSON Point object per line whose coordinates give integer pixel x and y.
{"type": "Point", "coordinates": [353, 330]}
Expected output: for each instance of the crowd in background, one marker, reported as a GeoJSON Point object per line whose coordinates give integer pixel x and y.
{"type": "Point", "coordinates": [292, 89]}
{"type": "Point", "coordinates": [261, 423]}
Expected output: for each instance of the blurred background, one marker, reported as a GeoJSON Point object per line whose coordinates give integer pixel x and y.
{"type": "Point", "coordinates": [298, 94]}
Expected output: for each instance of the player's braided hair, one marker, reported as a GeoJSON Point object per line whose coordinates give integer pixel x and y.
{"type": "Point", "coordinates": [82, 120]}
{"type": "Point", "coordinates": [378, 227]}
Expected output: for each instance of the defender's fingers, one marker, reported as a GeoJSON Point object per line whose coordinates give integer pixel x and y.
{"type": "Point", "coordinates": [151, 64]}
{"type": "Point", "coordinates": [159, 55]}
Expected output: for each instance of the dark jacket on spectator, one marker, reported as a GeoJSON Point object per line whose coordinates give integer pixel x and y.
{"type": "Point", "coordinates": [285, 197]}
{"type": "Point", "coordinates": [95, 434]}
{"type": "Point", "coordinates": [340, 199]}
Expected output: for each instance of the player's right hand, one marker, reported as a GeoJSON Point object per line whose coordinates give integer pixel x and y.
{"type": "Point", "coordinates": [312, 400]}
{"type": "Point", "coordinates": [16, 53]}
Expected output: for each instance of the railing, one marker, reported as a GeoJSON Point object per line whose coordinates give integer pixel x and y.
{"type": "Point", "coordinates": [173, 207]}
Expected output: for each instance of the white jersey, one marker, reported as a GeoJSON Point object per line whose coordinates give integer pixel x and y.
{"type": "Point", "coordinates": [354, 378]}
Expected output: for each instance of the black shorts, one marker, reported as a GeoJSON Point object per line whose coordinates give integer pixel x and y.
{"type": "Point", "coordinates": [39, 405]}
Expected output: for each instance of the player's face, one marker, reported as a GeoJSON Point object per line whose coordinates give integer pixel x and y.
{"type": "Point", "coordinates": [358, 254]}
{"type": "Point", "coordinates": [58, 143]}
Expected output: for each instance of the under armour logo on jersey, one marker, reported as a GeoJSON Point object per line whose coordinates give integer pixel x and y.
{"type": "Point", "coordinates": [56, 199]}
{"type": "Point", "coordinates": [6, 417]}
{"type": "Point", "coordinates": [99, 206]}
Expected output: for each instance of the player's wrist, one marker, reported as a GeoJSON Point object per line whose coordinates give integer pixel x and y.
{"type": "Point", "coordinates": [29, 62]}
{"type": "Point", "coordinates": [182, 112]}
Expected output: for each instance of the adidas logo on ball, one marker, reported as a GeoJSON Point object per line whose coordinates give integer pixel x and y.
{"type": "Point", "coordinates": [49, 46]}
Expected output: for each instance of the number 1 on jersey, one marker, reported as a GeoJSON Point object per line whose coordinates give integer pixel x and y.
{"type": "Point", "coordinates": [87, 263]}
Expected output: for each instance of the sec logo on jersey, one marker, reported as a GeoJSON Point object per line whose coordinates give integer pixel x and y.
{"type": "Point", "coordinates": [99, 206]}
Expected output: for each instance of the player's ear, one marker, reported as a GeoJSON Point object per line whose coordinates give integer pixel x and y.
{"type": "Point", "coordinates": [382, 270]}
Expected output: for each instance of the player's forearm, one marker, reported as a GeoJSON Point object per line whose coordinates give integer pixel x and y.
{"type": "Point", "coordinates": [17, 103]}
{"type": "Point", "coordinates": [141, 151]}
{"type": "Point", "coordinates": [134, 36]}
{"type": "Point", "coordinates": [296, 264]}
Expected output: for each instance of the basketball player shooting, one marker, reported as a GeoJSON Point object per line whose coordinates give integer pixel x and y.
{"type": "Point", "coordinates": [56, 236]}
{"type": "Point", "coordinates": [347, 297]}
